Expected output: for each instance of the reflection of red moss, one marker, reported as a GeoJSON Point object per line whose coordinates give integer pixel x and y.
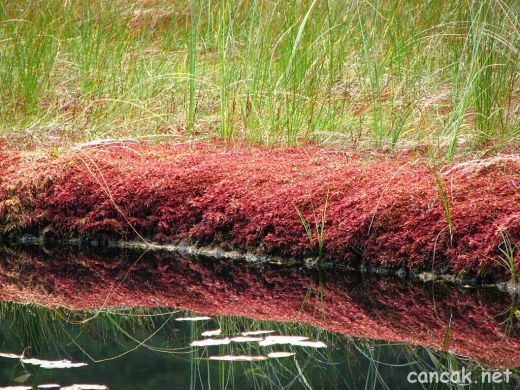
{"type": "Point", "coordinates": [344, 303]}
{"type": "Point", "coordinates": [386, 211]}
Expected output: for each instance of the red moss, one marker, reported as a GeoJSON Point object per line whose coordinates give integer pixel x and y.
{"type": "Point", "coordinates": [345, 303]}
{"type": "Point", "coordinates": [383, 211]}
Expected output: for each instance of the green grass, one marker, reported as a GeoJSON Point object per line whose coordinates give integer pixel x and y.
{"type": "Point", "coordinates": [507, 256]}
{"type": "Point", "coordinates": [392, 74]}
{"type": "Point", "coordinates": [317, 237]}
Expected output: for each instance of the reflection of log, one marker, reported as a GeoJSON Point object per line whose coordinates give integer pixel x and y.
{"type": "Point", "coordinates": [350, 304]}
{"type": "Point", "coordinates": [388, 211]}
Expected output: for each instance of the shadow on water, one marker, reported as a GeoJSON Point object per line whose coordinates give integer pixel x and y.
{"type": "Point", "coordinates": [118, 311]}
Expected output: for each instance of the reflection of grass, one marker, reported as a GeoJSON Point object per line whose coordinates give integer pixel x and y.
{"type": "Point", "coordinates": [344, 363]}
{"type": "Point", "coordinates": [43, 330]}
{"type": "Point", "coordinates": [510, 316]}
{"type": "Point", "coordinates": [38, 326]}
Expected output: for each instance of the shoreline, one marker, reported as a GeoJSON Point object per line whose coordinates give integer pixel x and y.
{"type": "Point", "coordinates": [288, 203]}
{"type": "Point", "coordinates": [250, 259]}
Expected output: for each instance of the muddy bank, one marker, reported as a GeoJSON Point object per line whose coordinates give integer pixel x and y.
{"type": "Point", "coordinates": [386, 211]}
{"type": "Point", "coordinates": [482, 323]}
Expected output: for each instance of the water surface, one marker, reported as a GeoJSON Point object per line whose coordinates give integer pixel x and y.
{"type": "Point", "coordinates": [118, 312]}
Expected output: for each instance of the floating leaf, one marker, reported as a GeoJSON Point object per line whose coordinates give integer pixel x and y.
{"type": "Point", "coordinates": [240, 339]}
{"type": "Point", "coordinates": [312, 344]}
{"type": "Point", "coordinates": [272, 340]}
{"type": "Point", "coordinates": [48, 364]}
{"type": "Point", "coordinates": [239, 358]}
{"type": "Point", "coordinates": [16, 388]}
{"type": "Point", "coordinates": [215, 332]}
{"type": "Point", "coordinates": [275, 355]}
{"type": "Point", "coordinates": [62, 364]}
{"type": "Point", "coordinates": [193, 318]}
{"type": "Point", "coordinates": [209, 342]}
{"type": "Point", "coordinates": [256, 332]}
{"type": "Point", "coordinates": [10, 355]}
{"type": "Point", "coordinates": [34, 361]}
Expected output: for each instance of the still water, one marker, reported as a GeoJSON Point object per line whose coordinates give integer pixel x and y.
{"type": "Point", "coordinates": [137, 320]}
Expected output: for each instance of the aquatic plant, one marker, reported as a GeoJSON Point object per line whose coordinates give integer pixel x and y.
{"type": "Point", "coordinates": [242, 198]}
{"type": "Point", "coordinates": [507, 258]}
{"type": "Point", "coordinates": [444, 198]}
{"type": "Point", "coordinates": [319, 231]}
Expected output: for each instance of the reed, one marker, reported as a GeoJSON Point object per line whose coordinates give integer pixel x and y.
{"type": "Point", "coordinates": [391, 74]}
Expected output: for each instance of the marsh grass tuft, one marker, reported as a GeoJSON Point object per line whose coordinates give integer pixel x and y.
{"type": "Point", "coordinates": [444, 198]}
{"type": "Point", "coordinates": [507, 258]}
{"type": "Point", "coordinates": [443, 193]}
{"type": "Point", "coordinates": [316, 236]}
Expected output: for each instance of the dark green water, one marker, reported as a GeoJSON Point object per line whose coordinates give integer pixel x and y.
{"type": "Point", "coordinates": [147, 348]}
{"type": "Point", "coordinates": [165, 360]}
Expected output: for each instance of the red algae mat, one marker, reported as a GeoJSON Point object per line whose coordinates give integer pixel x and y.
{"type": "Point", "coordinates": [482, 324]}
{"type": "Point", "coordinates": [387, 210]}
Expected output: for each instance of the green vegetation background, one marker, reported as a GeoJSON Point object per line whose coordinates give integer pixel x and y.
{"type": "Point", "coordinates": [382, 73]}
